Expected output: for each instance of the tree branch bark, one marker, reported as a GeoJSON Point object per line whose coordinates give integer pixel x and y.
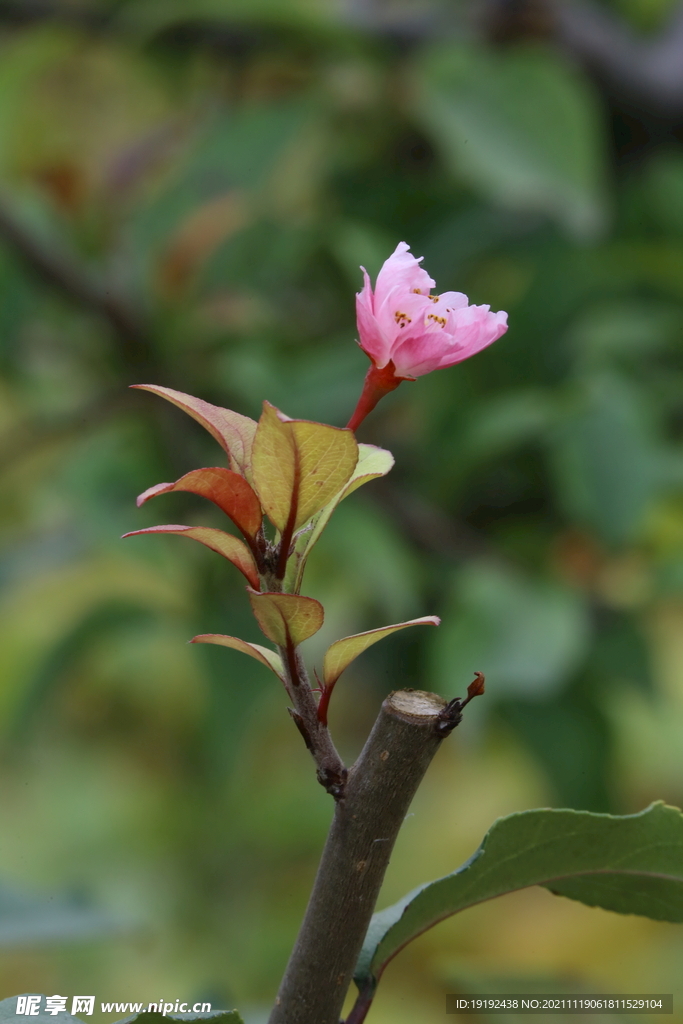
{"type": "Point", "coordinates": [379, 790]}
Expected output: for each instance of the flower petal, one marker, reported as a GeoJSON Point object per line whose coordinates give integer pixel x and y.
{"type": "Point", "coordinates": [372, 339]}
{"type": "Point", "coordinates": [404, 271]}
{"type": "Point", "coordinates": [477, 329]}
{"type": "Point", "coordinates": [401, 325]}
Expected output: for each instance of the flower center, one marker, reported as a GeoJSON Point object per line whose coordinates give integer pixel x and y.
{"type": "Point", "coordinates": [438, 319]}
{"type": "Point", "coordinates": [402, 319]}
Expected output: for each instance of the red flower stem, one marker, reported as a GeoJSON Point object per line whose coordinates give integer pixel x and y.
{"type": "Point", "coordinates": [378, 383]}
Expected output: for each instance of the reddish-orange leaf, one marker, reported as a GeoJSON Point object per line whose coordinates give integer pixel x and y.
{"type": "Point", "coordinates": [232, 548]}
{"type": "Point", "coordinates": [234, 432]}
{"type": "Point", "coordinates": [228, 490]}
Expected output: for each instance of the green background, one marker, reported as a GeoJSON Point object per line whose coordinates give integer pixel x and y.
{"type": "Point", "coordinates": [187, 191]}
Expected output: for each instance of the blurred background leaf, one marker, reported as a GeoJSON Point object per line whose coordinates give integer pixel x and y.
{"type": "Point", "coordinates": [521, 127]}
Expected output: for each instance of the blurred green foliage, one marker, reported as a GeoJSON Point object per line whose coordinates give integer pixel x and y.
{"type": "Point", "coordinates": [187, 192]}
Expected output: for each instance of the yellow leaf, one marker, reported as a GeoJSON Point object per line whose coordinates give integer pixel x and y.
{"type": "Point", "coordinates": [340, 655]}
{"type": "Point", "coordinates": [372, 463]}
{"type": "Point", "coordinates": [268, 658]}
{"type": "Point", "coordinates": [298, 466]}
{"type": "Point", "coordinates": [286, 618]}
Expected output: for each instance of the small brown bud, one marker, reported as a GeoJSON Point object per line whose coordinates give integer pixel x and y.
{"type": "Point", "coordinates": [476, 687]}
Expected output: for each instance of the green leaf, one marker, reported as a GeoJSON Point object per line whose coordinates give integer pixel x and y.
{"type": "Point", "coordinates": [631, 865]}
{"type": "Point", "coordinates": [230, 491]}
{"type": "Point", "coordinates": [287, 618]}
{"type": "Point", "coordinates": [373, 462]}
{"type": "Point", "coordinates": [232, 548]}
{"type": "Point", "coordinates": [299, 466]}
{"type": "Point", "coordinates": [268, 658]}
{"type": "Point", "coordinates": [341, 653]}
{"type": "Point", "coordinates": [234, 432]}
{"type": "Point", "coordinates": [521, 125]}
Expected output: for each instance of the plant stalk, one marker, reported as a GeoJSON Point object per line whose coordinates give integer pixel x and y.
{"type": "Point", "coordinates": [379, 789]}
{"type": "Point", "coordinates": [331, 772]}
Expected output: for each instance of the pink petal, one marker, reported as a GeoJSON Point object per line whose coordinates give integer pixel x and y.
{"type": "Point", "coordinates": [420, 353]}
{"type": "Point", "coordinates": [468, 330]}
{"type": "Point", "coordinates": [372, 339]}
{"type": "Point", "coordinates": [482, 330]}
{"type": "Point", "coordinates": [448, 301]}
{"type": "Point", "coordinates": [403, 324]}
{"type": "Point", "coordinates": [402, 271]}
{"type": "Point", "coordinates": [401, 314]}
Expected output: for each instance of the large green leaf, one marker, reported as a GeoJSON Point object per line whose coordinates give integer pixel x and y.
{"type": "Point", "coordinates": [520, 125]}
{"type": "Point", "coordinates": [631, 865]}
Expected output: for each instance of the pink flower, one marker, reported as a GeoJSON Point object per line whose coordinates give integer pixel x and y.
{"type": "Point", "coordinates": [408, 332]}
